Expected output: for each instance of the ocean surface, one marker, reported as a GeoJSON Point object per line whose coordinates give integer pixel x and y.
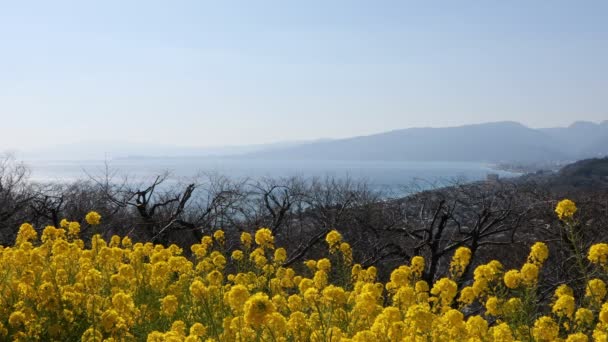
{"type": "Point", "coordinates": [386, 175]}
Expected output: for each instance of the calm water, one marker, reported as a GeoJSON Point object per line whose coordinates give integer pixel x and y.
{"type": "Point", "coordinates": [388, 175]}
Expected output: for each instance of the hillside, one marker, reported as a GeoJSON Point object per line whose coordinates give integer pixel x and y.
{"type": "Point", "coordinates": [583, 175]}
{"type": "Point", "coordinates": [589, 173]}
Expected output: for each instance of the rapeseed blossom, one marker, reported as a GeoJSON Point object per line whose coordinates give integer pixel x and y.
{"type": "Point", "coordinates": [565, 209]}
{"type": "Point", "coordinates": [264, 238]}
{"type": "Point", "coordinates": [333, 239]}
{"type": "Point", "coordinates": [512, 279]}
{"type": "Point", "coordinates": [595, 290]}
{"type": "Point", "coordinates": [93, 218]}
{"type": "Point", "coordinates": [460, 261]}
{"type": "Point", "coordinates": [56, 287]}
{"type": "Point", "coordinates": [539, 252]}
{"type": "Point", "coordinates": [598, 254]}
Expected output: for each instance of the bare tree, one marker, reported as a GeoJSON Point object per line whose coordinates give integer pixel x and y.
{"type": "Point", "coordinates": [15, 196]}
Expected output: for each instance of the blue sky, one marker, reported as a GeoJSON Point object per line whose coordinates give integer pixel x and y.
{"type": "Point", "coordinates": [204, 73]}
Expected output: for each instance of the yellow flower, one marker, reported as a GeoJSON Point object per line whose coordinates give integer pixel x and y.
{"type": "Point", "coordinates": [335, 295]}
{"type": "Point", "coordinates": [564, 306]}
{"type": "Point", "coordinates": [598, 254]}
{"type": "Point", "coordinates": [565, 209]}
{"type": "Point", "coordinates": [93, 218]}
{"type": "Point", "coordinates": [276, 323]}
{"type": "Point", "coordinates": [512, 306]}
{"type": "Point", "coordinates": [138, 291]}
{"type": "Point", "coordinates": [257, 308]}
{"type": "Point", "coordinates": [421, 286]}
{"type": "Point", "coordinates": [419, 317]}
{"type": "Point", "coordinates": [297, 324]}
{"type": "Point", "coordinates": [311, 296]}
{"type": "Point", "coordinates": [219, 261]}
{"type": "Point", "coordinates": [512, 279]}
{"type": "Point", "coordinates": [246, 239]}
{"type": "Point", "coordinates": [493, 306]}
{"type": "Point", "coordinates": [596, 290]}
{"type": "Point", "coordinates": [600, 335]}
{"type": "Point", "coordinates": [280, 255]}
{"type": "Point", "coordinates": [237, 296]}
{"type": "Point", "coordinates": [16, 319]}
{"type": "Point", "coordinates": [529, 273]}
{"type": "Point", "coordinates": [477, 327]}
{"type": "Point", "coordinates": [92, 335]}
{"type": "Point", "coordinates": [604, 313]}
{"type": "Point", "coordinates": [320, 279]}
{"type": "Point", "coordinates": [311, 265]}
{"type": "Point", "coordinates": [294, 302]}
{"type": "Point", "coordinates": [467, 295]}
{"type": "Point", "coordinates": [258, 257]}
{"type": "Point", "coordinates": [577, 337]}
{"type": "Point", "coordinates": [109, 319]}
{"type": "Point", "coordinates": [197, 329]}
{"type": "Point", "coordinates": [237, 255]}
{"type": "Point", "coordinates": [538, 253]}
{"type": "Point", "coordinates": [399, 277]}
{"type": "Point", "coordinates": [73, 228]}
{"type": "Point", "coordinates": [545, 329]}
{"type": "Point", "coordinates": [215, 278]}
{"type": "Point", "coordinates": [178, 327]}
{"type": "Point", "coordinates": [218, 235]}
{"type": "Point", "coordinates": [563, 289]}
{"type": "Point", "coordinates": [460, 261]}
{"type": "Point", "coordinates": [264, 238]}
{"type": "Point", "coordinates": [502, 333]}
{"type": "Point", "coordinates": [207, 241]}
{"type": "Point", "coordinates": [417, 265]}
{"type": "Point", "coordinates": [484, 275]}
{"type": "Point", "coordinates": [198, 290]}
{"type": "Point", "coordinates": [26, 233]}
{"type": "Point", "coordinates": [347, 252]}
{"type": "Point", "coordinates": [583, 316]}
{"type": "Point", "coordinates": [446, 290]}
{"type": "Point", "coordinates": [333, 239]}
{"type": "Point", "coordinates": [324, 264]}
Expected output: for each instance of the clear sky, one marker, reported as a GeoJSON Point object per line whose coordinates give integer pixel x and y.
{"type": "Point", "coordinates": [226, 72]}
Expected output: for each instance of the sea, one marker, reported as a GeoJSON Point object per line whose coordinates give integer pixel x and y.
{"type": "Point", "coordinates": [396, 177]}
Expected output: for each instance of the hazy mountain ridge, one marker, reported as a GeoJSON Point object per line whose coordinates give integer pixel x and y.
{"type": "Point", "coordinates": [99, 150]}
{"type": "Point", "coordinates": [489, 142]}
{"type": "Point", "coordinates": [582, 137]}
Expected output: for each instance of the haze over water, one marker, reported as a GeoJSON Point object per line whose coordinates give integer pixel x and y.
{"type": "Point", "coordinates": [389, 175]}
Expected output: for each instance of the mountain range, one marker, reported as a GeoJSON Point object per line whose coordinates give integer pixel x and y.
{"type": "Point", "coordinates": [100, 150]}
{"type": "Point", "coordinates": [488, 142]}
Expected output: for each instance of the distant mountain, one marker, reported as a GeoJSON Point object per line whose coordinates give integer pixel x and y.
{"type": "Point", "coordinates": [496, 142]}
{"type": "Point", "coordinates": [598, 148]}
{"type": "Point", "coordinates": [582, 138]}
{"type": "Point", "coordinates": [99, 150]}
{"type": "Point", "coordinates": [490, 142]}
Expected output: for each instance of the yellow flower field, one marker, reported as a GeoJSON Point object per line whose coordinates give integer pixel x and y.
{"type": "Point", "coordinates": [55, 288]}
